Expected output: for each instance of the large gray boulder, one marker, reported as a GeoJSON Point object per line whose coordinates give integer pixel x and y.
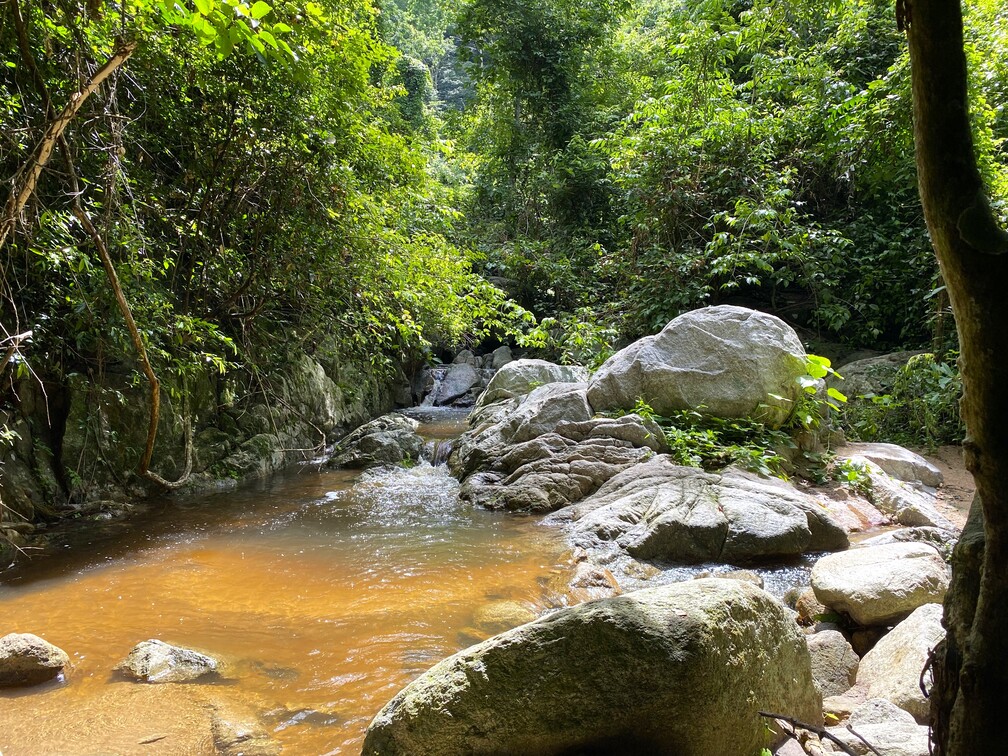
{"type": "Point", "coordinates": [388, 440]}
{"type": "Point", "coordinates": [681, 669]}
{"type": "Point", "coordinates": [26, 659]}
{"type": "Point", "coordinates": [519, 377]}
{"type": "Point", "coordinates": [892, 669]}
{"type": "Point", "coordinates": [458, 380]}
{"type": "Point", "coordinates": [879, 585]}
{"type": "Point", "coordinates": [154, 661]}
{"type": "Point", "coordinates": [724, 361]}
{"type": "Point", "coordinates": [871, 375]}
{"type": "Point", "coordinates": [660, 510]}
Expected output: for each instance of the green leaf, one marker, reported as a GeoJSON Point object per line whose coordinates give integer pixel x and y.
{"type": "Point", "coordinates": [204, 6]}
{"type": "Point", "coordinates": [834, 394]}
{"type": "Point", "coordinates": [268, 38]}
{"type": "Point", "coordinates": [260, 9]}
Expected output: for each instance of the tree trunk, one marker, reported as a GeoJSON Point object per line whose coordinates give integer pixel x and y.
{"type": "Point", "coordinates": [971, 675]}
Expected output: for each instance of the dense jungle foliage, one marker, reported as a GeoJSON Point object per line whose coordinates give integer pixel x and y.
{"type": "Point", "coordinates": [269, 174]}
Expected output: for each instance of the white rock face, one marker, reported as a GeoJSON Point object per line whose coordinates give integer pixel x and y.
{"type": "Point", "coordinates": [897, 462]}
{"type": "Point", "coordinates": [724, 361]}
{"type": "Point", "coordinates": [892, 669]}
{"type": "Point", "coordinates": [878, 585]}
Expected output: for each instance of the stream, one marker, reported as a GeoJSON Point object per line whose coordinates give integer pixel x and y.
{"type": "Point", "coordinates": [323, 592]}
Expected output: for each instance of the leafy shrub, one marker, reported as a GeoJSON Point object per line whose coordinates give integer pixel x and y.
{"type": "Point", "coordinates": [922, 408]}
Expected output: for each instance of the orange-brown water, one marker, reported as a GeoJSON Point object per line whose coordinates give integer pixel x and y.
{"type": "Point", "coordinates": [323, 593]}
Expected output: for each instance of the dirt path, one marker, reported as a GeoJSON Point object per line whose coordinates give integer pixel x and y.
{"type": "Point", "coordinates": [956, 494]}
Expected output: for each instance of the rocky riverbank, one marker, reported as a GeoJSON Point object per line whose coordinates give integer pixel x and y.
{"type": "Point", "coordinates": [76, 446]}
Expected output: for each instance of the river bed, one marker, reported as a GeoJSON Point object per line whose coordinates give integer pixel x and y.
{"type": "Point", "coordinates": [323, 592]}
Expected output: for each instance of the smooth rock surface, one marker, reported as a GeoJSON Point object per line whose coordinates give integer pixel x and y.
{"type": "Point", "coordinates": [834, 663]}
{"type": "Point", "coordinates": [888, 728]}
{"type": "Point", "coordinates": [27, 659]}
{"type": "Point", "coordinates": [724, 361]}
{"type": "Point", "coordinates": [387, 440]}
{"type": "Point", "coordinates": [681, 669]}
{"type": "Point", "coordinates": [659, 510]}
{"type": "Point", "coordinates": [459, 378]}
{"type": "Point", "coordinates": [896, 461]}
{"type": "Point", "coordinates": [892, 669]}
{"type": "Point", "coordinates": [519, 377]}
{"type": "Point", "coordinates": [879, 585]}
{"type": "Point", "coordinates": [155, 661]}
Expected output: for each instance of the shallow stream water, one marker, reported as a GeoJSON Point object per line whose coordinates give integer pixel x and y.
{"type": "Point", "coordinates": [323, 592]}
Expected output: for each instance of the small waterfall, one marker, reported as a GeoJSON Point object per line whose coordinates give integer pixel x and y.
{"type": "Point", "coordinates": [437, 450]}
{"type": "Point", "coordinates": [432, 385]}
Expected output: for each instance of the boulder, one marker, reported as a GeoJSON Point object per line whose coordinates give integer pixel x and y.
{"type": "Point", "coordinates": [681, 669]}
{"type": "Point", "coordinates": [155, 661]}
{"type": "Point", "coordinates": [543, 450]}
{"type": "Point", "coordinates": [458, 380]}
{"type": "Point", "coordinates": [896, 462]}
{"type": "Point", "coordinates": [659, 510]}
{"type": "Point", "coordinates": [500, 357]}
{"type": "Point", "coordinates": [521, 376]}
{"type": "Point", "coordinates": [388, 440]}
{"type": "Point", "coordinates": [466, 357]}
{"type": "Point", "coordinates": [872, 375]}
{"type": "Point", "coordinates": [892, 669]}
{"type": "Point", "coordinates": [834, 663]}
{"type": "Point", "coordinates": [889, 729]}
{"type": "Point", "coordinates": [907, 504]}
{"type": "Point", "coordinates": [26, 659]}
{"type": "Point", "coordinates": [943, 540]}
{"type": "Point", "coordinates": [724, 361]}
{"type": "Point", "coordinates": [879, 585]}
{"type": "Point", "coordinates": [809, 608]}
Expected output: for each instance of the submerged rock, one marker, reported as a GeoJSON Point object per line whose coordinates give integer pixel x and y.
{"type": "Point", "coordinates": [239, 734]}
{"type": "Point", "coordinates": [660, 510]}
{"type": "Point", "coordinates": [681, 669]}
{"type": "Point", "coordinates": [724, 361]}
{"type": "Point", "coordinates": [878, 585]}
{"type": "Point", "coordinates": [155, 661]}
{"type": "Point", "coordinates": [388, 440]}
{"type": "Point", "coordinates": [26, 659]}
{"type": "Point", "coordinates": [498, 616]}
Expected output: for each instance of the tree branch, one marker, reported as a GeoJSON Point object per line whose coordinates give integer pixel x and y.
{"type": "Point", "coordinates": [31, 170]}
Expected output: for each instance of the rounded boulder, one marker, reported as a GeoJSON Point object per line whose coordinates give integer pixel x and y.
{"type": "Point", "coordinates": [724, 361]}
{"type": "Point", "coordinates": [680, 669]}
